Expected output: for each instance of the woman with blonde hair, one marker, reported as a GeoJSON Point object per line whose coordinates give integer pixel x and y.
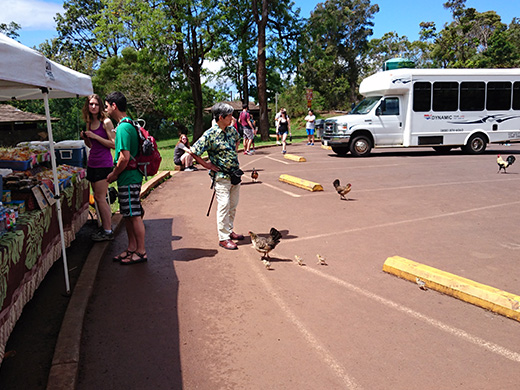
{"type": "Point", "coordinates": [99, 137]}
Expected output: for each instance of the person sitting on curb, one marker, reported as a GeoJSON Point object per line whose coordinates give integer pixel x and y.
{"type": "Point", "coordinates": [181, 157]}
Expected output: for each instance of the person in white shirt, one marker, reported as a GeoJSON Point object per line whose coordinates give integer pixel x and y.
{"type": "Point", "coordinates": [310, 119]}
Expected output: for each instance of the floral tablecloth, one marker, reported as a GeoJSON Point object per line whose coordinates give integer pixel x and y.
{"type": "Point", "coordinates": [27, 254]}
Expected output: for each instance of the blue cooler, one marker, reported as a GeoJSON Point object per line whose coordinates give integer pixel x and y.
{"type": "Point", "coordinates": [71, 153]}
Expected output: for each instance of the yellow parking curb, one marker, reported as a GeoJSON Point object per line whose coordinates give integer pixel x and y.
{"type": "Point", "coordinates": [478, 294]}
{"type": "Point", "coordinates": [294, 157]}
{"type": "Point", "coordinates": [302, 183]}
{"type": "Point", "coordinates": [326, 147]}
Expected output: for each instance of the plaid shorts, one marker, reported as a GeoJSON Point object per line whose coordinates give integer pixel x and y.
{"type": "Point", "coordinates": [129, 201]}
{"type": "Point", "coordinates": [249, 133]}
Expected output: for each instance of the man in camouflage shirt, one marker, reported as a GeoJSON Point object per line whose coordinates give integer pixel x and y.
{"type": "Point", "coordinates": [221, 143]}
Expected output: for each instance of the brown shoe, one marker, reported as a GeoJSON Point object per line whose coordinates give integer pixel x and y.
{"type": "Point", "coordinates": [228, 244]}
{"type": "Point", "coordinates": [235, 236]}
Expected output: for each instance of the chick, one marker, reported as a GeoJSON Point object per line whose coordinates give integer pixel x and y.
{"type": "Point", "coordinates": [267, 264]}
{"type": "Point", "coordinates": [299, 260]}
{"type": "Point", "coordinates": [342, 190]}
{"type": "Point", "coordinates": [421, 284]}
{"type": "Point", "coordinates": [254, 175]}
{"type": "Point", "coordinates": [321, 260]}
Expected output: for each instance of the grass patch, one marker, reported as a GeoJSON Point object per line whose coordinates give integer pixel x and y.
{"type": "Point", "coordinates": [166, 147]}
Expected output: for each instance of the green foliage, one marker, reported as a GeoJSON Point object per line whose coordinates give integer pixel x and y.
{"type": "Point", "coordinates": [463, 42]}
{"type": "Point", "coordinates": [68, 111]}
{"type": "Point", "coordinates": [11, 29]}
{"type": "Point", "coordinates": [295, 100]}
{"type": "Point", "coordinates": [155, 51]}
{"type": "Point", "coordinates": [337, 35]}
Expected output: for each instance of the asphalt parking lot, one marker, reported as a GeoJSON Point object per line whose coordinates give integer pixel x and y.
{"type": "Point", "coordinates": [198, 316]}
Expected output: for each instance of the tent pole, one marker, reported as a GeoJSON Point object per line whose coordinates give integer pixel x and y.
{"type": "Point", "coordinates": [56, 189]}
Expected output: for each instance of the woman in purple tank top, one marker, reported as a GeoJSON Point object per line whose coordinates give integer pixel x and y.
{"type": "Point", "coordinates": [99, 136]}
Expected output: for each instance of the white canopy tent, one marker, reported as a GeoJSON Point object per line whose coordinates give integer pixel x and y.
{"type": "Point", "coordinates": [26, 74]}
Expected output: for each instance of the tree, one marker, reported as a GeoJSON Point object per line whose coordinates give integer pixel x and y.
{"type": "Point", "coordinates": [171, 39]}
{"type": "Point", "coordinates": [11, 29]}
{"type": "Point", "coordinates": [338, 32]}
{"type": "Point", "coordinates": [278, 17]}
{"type": "Point", "coordinates": [237, 47]}
{"type": "Point", "coordinates": [195, 31]}
{"type": "Point", "coordinates": [501, 51]}
{"type": "Point", "coordinates": [90, 27]}
{"type": "Point", "coordinates": [462, 43]}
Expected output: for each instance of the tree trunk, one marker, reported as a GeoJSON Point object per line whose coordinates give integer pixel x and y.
{"type": "Point", "coordinates": [196, 90]}
{"type": "Point", "coordinates": [245, 70]}
{"type": "Point", "coordinates": [261, 74]}
{"type": "Point", "coordinates": [245, 83]}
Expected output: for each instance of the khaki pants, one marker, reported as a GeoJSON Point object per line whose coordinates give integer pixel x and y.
{"type": "Point", "coordinates": [227, 201]}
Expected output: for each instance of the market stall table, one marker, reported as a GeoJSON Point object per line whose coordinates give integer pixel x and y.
{"type": "Point", "coordinates": [27, 253]}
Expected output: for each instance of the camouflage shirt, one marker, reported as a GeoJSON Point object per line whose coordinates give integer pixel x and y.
{"type": "Point", "coordinates": [221, 147]}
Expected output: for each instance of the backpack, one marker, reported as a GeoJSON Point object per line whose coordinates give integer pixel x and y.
{"type": "Point", "coordinates": [148, 158]}
{"type": "Point", "coordinates": [240, 129]}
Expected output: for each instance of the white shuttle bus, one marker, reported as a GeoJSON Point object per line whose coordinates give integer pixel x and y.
{"type": "Point", "coordinates": [438, 108]}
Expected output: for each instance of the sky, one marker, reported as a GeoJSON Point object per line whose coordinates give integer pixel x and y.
{"type": "Point", "coordinates": [401, 16]}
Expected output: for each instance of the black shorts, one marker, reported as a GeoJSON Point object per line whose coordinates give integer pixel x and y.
{"type": "Point", "coordinates": [97, 174]}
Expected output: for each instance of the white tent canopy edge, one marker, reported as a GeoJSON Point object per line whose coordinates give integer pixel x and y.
{"type": "Point", "coordinates": [26, 74]}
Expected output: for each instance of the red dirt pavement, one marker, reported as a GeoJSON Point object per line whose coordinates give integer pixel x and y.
{"type": "Point", "coordinates": [197, 316]}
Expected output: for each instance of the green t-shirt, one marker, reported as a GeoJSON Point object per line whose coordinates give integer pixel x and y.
{"type": "Point", "coordinates": [127, 139]}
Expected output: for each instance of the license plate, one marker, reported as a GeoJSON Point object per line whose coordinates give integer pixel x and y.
{"type": "Point", "coordinates": [326, 143]}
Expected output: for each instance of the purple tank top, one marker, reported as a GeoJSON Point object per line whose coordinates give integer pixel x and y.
{"type": "Point", "coordinates": [100, 156]}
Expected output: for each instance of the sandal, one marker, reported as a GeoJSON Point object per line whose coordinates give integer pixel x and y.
{"type": "Point", "coordinates": [123, 255]}
{"type": "Point", "coordinates": [141, 259]}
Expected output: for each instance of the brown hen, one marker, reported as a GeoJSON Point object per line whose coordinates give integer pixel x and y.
{"type": "Point", "coordinates": [342, 190]}
{"type": "Point", "coordinates": [264, 245]}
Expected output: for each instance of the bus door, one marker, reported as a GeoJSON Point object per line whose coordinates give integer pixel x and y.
{"type": "Point", "coordinates": [388, 123]}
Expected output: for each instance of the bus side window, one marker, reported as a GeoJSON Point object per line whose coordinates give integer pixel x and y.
{"type": "Point", "coordinates": [445, 96]}
{"type": "Point", "coordinates": [472, 95]}
{"type": "Point", "coordinates": [516, 95]}
{"type": "Point", "coordinates": [498, 95]}
{"type": "Point", "coordinates": [422, 96]}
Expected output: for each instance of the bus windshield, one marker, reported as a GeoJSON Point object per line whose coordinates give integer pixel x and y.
{"type": "Point", "coordinates": [366, 105]}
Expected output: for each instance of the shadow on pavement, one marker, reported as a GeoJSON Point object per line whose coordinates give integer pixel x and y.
{"type": "Point", "coordinates": [131, 327]}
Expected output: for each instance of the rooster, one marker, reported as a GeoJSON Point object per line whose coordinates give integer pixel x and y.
{"type": "Point", "coordinates": [264, 245]}
{"type": "Point", "coordinates": [254, 175]}
{"type": "Point", "coordinates": [505, 164]}
{"type": "Point", "coordinates": [342, 190]}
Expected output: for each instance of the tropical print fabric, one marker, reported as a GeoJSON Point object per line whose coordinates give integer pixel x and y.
{"type": "Point", "coordinates": [221, 147]}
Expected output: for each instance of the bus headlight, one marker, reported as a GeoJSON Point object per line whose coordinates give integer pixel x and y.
{"type": "Point", "coordinates": [342, 128]}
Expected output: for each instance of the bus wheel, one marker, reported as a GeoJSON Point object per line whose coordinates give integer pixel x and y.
{"type": "Point", "coordinates": [476, 144]}
{"type": "Point", "coordinates": [360, 146]}
{"type": "Point", "coordinates": [339, 150]}
{"type": "Point", "coordinates": [442, 149]}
